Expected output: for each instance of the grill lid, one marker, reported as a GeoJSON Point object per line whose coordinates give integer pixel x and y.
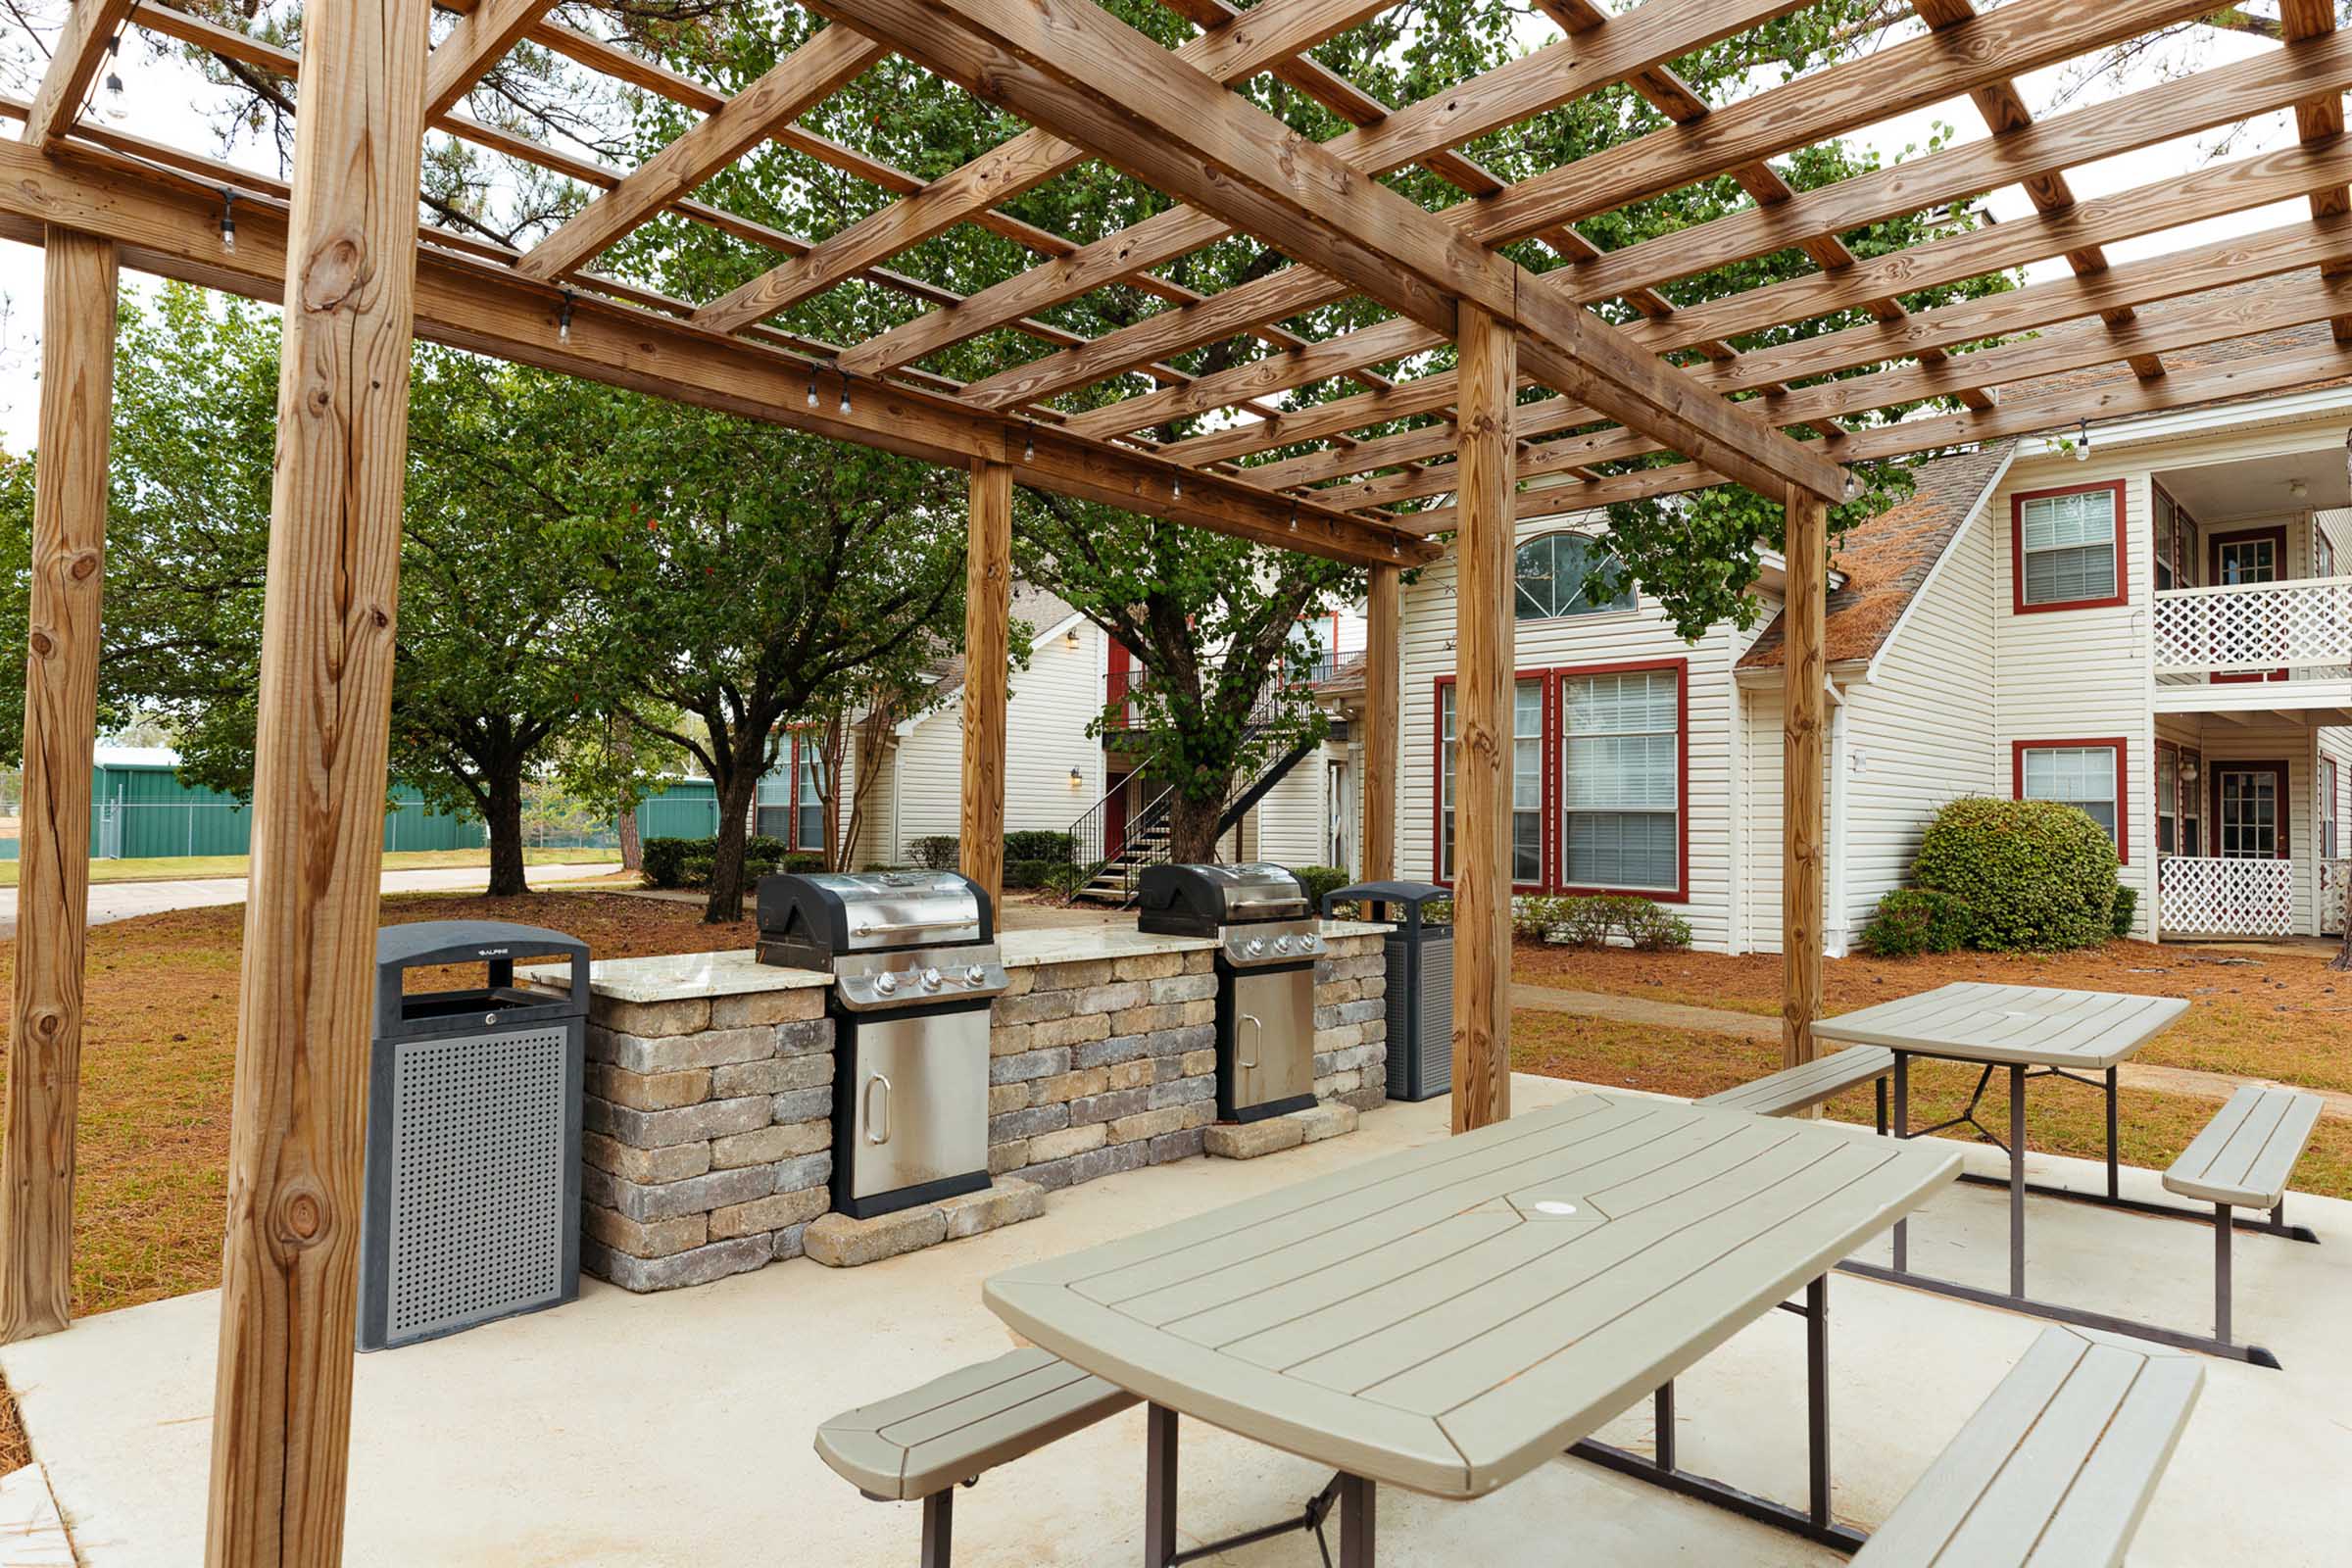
{"type": "Point", "coordinates": [1197, 900]}
{"type": "Point", "coordinates": [810, 919]}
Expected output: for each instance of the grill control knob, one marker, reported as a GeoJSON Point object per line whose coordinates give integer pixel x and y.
{"type": "Point", "coordinates": [1282, 944]}
{"type": "Point", "coordinates": [930, 979]}
{"type": "Point", "coordinates": [1254, 946]}
{"type": "Point", "coordinates": [1309, 943]}
{"type": "Point", "coordinates": [975, 976]}
{"type": "Point", "coordinates": [886, 984]}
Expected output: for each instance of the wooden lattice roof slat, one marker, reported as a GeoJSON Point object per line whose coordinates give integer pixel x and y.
{"type": "Point", "coordinates": [1087, 76]}
{"type": "Point", "coordinates": [1231, 53]}
{"type": "Point", "coordinates": [1419, 132]}
{"type": "Point", "coordinates": [812, 74]}
{"type": "Point", "coordinates": [90, 30]}
{"type": "Point", "coordinates": [2218, 190]}
{"type": "Point", "coordinates": [2319, 120]}
{"type": "Point", "coordinates": [481, 38]}
{"type": "Point", "coordinates": [1811, 109]}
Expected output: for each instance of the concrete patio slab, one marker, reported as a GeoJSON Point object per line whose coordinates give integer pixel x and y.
{"type": "Point", "coordinates": [676, 1429]}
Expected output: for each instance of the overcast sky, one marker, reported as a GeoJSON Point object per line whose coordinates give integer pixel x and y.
{"type": "Point", "coordinates": [164, 100]}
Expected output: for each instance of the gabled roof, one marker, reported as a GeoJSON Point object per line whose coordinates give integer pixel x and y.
{"type": "Point", "coordinates": [1886, 561]}
{"type": "Point", "coordinates": [1045, 614]}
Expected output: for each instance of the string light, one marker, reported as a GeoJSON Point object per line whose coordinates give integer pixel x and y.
{"type": "Point", "coordinates": [113, 77]}
{"type": "Point", "coordinates": [564, 318]}
{"type": "Point", "coordinates": [1176, 488]}
{"type": "Point", "coordinates": [1029, 444]}
{"type": "Point", "coordinates": [845, 391]}
{"type": "Point", "coordinates": [1293, 517]}
{"type": "Point", "coordinates": [228, 219]}
{"type": "Point", "coordinates": [2083, 446]}
{"type": "Point", "coordinates": [813, 389]}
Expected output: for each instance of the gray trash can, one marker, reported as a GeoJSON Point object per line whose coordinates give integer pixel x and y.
{"type": "Point", "coordinates": [1420, 988]}
{"type": "Point", "coordinates": [472, 1206]}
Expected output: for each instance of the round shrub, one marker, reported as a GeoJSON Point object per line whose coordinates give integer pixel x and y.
{"type": "Point", "coordinates": [1316, 880]}
{"type": "Point", "coordinates": [1912, 920]}
{"type": "Point", "coordinates": [2031, 875]}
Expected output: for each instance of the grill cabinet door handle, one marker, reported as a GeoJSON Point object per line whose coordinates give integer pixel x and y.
{"type": "Point", "coordinates": [1255, 1040]}
{"type": "Point", "coordinates": [873, 1121]}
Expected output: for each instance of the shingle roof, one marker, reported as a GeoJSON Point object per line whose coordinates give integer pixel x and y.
{"type": "Point", "coordinates": [1887, 558]}
{"type": "Point", "coordinates": [1035, 605]}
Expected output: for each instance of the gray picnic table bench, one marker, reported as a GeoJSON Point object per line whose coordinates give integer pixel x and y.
{"type": "Point", "coordinates": [1447, 1319]}
{"type": "Point", "coordinates": [2033, 1033]}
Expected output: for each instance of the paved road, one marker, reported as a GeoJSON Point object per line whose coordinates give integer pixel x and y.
{"type": "Point", "coordinates": [119, 901]}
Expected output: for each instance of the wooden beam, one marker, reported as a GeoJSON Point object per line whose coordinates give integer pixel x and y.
{"type": "Point", "coordinates": [1485, 671]}
{"type": "Point", "coordinates": [1551, 76]}
{"type": "Point", "coordinates": [1082, 73]}
{"type": "Point", "coordinates": [61, 726]}
{"type": "Point", "coordinates": [81, 47]}
{"type": "Point", "coordinates": [1233, 52]}
{"type": "Point", "coordinates": [289, 1266]}
{"type": "Point", "coordinates": [1804, 681]}
{"type": "Point", "coordinates": [2320, 120]}
{"type": "Point", "coordinates": [987, 614]}
{"type": "Point", "coordinates": [481, 38]}
{"type": "Point", "coordinates": [166, 224]}
{"type": "Point", "coordinates": [808, 75]}
{"type": "Point", "coordinates": [1814, 108]}
{"type": "Point", "coordinates": [2217, 190]}
{"type": "Point", "coordinates": [1382, 714]}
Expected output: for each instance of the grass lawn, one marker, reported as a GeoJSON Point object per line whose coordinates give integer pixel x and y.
{"type": "Point", "coordinates": [2060, 1118]}
{"type": "Point", "coordinates": [156, 1067]}
{"type": "Point", "coordinates": [204, 867]}
{"type": "Point", "coordinates": [2256, 1015]}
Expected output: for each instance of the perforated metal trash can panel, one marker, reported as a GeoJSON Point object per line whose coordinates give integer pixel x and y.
{"type": "Point", "coordinates": [480, 1155]}
{"type": "Point", "coordinates": [1420, 1040]}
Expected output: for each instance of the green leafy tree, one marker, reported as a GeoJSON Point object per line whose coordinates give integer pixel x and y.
{"type": "Point", "coordinates": [749, 572]}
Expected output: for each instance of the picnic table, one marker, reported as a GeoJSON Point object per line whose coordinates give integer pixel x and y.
{"type": "Point", "coordinates": [1447, 1318]}
{"type": "Point", "coordinates": [2027, 1033]}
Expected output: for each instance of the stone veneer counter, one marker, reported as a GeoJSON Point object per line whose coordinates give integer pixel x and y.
{"type": "Point", "coordinates": [708, 1125]}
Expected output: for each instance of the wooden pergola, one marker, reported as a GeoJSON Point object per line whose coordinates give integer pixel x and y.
{"type": "Point", "coordinates": [340, 245]}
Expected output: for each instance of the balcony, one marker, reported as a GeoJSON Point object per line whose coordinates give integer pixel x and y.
{"type": "Point", "coordinates": [2274, 645]}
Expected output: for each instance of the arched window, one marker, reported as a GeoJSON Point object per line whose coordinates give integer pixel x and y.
{"type": "Point", "coordinates": [1552, 569]}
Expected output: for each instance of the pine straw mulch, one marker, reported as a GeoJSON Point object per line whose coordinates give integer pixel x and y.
{"type": "Point", "coordinates": [2258, 1014]}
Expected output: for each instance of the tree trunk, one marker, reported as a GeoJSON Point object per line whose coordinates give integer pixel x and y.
{"type": "Point", "coordinates": [504, 818]}
{"type": "Point", "coordinates": [632, 844]}
{"type": "Point", "coordinates": [1193, 827]}
{"type": "Point", "coordinates": [726, 863]}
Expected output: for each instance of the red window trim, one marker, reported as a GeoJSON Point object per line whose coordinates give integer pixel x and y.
{"type": "Point", "coordinates": [1553, 679]}
{"type": "Point", "coordinates": [2195, 529]}
{"type": "Point", "coordinates": [2017, 551]}
{"type": "Point", "coordinates": [2122, 784]}
{"type": "Point", "coordinates": [2277, 769]}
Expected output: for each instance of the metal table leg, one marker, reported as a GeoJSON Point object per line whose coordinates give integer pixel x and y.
{"type": "Point", "coordinates": [2220, 1272]}
{"type": "Point", "coordinates": [2115, 1188]}
{"type": "Point", "coordinates": [1902, 1129]}
{"type": "Point", "coordinates": [939, 1528]}
{"type": "Point", "coordinates": [1817, 1398]}
{"type": "Point", "coordinates": [2017, 1181]}
{"type": "Point", "coordinates": [1358, 1524]}
{"type": "Point", "coordinates": [1160, 1487]}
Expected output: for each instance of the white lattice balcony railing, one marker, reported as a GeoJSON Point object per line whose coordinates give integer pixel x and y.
{"type": "Point", "coordinates": [2301, 625]}
{"type": "Point", "coordinates": [2207, 896]}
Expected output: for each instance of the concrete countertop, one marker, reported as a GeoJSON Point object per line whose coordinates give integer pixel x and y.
{"type": "Point", "coordinates": [688, 975]}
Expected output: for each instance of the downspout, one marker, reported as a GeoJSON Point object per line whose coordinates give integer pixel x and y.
{"type": "Point", "coordinates": [1837, 922]}
{"type": "Point", "coordinates": [1736, 788]}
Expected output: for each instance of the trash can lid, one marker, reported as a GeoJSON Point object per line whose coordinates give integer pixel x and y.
{"type": "Point", "coordinates": [1411, 894]}
{"type": "Point", "coordinates": [420, 943]}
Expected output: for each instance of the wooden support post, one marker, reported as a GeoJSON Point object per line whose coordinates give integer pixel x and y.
{"type": "Point", "coordinates": [1483, 679]}
{"type": "Point", "coordinates": [1804, 696]}
{"type": "Point", "coordinates": [61, 725]}
{"type": "Point", "coordinates": [289, 1265]}
{"type": "Point", "coordinates": [987, 616]}
{"type": "Point", "coordinates": [1382, 708]}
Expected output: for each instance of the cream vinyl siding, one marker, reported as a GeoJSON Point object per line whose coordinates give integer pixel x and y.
{"type": "Point", "coordinates": [1287, 825]}
{"type": "Point", "coordinates": [1763, 750]}
{"type": "Point", "coordinates": [1920, 731]}
{"type": "Point", "coordinates": [1426, 637]}
{"type": "Point", "coordinates": [1045, 719]}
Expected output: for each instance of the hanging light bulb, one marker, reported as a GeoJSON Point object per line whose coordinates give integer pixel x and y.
{"type": "Point", "coordinates": [813, 389]}
{"type": "Point", "coordinates": [2083, 443]}
{"type": "Point", "coordinates": [1176, 488]}
{"type": "Point", "coordinates": [113, 77]}
{"type": "Point", "coordinates": [228, 219]}
{"type": "Point", "coordinates": [1029, 444]}
{"type": "Point", "coordinates": [564, 318]}
{"type": "Point", "coordinates": [845, 391]}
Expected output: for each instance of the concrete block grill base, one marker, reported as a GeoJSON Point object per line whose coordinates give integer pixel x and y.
{"type": "Point", "coordinates": [708, 1144]}
{"type": "Point", "coordinates": [838, 1241]}
{"type": "Point", "coordinates": [1248, 1140]}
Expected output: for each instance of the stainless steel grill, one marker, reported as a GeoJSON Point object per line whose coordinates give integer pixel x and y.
{"type": "Point", "coordinates": [915, 965]}
{"type": "Point", "coordinates": [1266, 950]}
